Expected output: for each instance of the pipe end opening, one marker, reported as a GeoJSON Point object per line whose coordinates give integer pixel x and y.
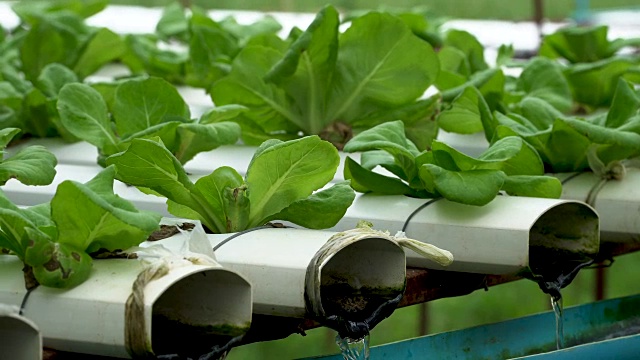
{"type": "Point", "coordinates": [362, 276]}
{"type": "Point", "coordinates": [20, 339]}
{"type": "Point", "coordinates": [200, 311]}
{"type": "Point", "coordinates": [562, 241]}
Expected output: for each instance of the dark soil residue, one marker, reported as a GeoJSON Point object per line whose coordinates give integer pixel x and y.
{"type": "Point", "coordinates": [167, 231]}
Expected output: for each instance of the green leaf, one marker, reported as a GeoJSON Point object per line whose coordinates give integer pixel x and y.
{"type": "Point", "coordinates": [470, 46]}
{"type": "Point", "coordinates": [602, 135]}
{"type": "Point", "coordinates": [173, 22]}
{"type": "Point", "coordinates": [56, 38]}
{"type": "Point", "coordinates": [321, 210]}
{"type": "Point", "coordinates": [53, 77]}
{"type": "Point", "coordinates": [388, 136]}
{"type": "Point", "coordinates": [533, 186]}
{"type": "Point", "coordinates": [380, 61]}
{"type": "Point", "coordinates": [539, 113]}
{"type": "Point", "coordinates": [55, 264]}
{"type": "Point", "coordinates": [473, 187]}
{"type": "Point", "coordinates": [144, 56]}
{"type": "Point", "coordinates": [27, 10]}
{"type": "Point", "coordinates": [90, 220]}
{"type": "Point", "coordinates": [142, 103]}
{"type": "Point", "coordinates": [288, 172]}
{"type": "Point", "coordinates": [84, 114]}
{"type": "Point", "coordinates": [505, 55]}
{"type": "Point", "coordinates": [104, 47]}
{"type": "Point", "coordinates": [196, 138]}
{"type": "Point", "coordinates": [212, 189]}
{"type": "Point", "coordinates": [33, 165]}
{"type": "Point", "coordinates": [455, 69]}
{"type": "Point", "coordinates": [6, 135]}
{"type": "Point", "coordinates": [149, 164]}
{"type": "Point", "coordinates": [307, 68]}
{"type": "Point", "coordinates": [270, 108]}
{"type": "Point", "coordinates": [365, 180]}
{"type": "Point", "coordinates": [463, 116]}
{"type": "Point", "coordinates": [454, 60]}
{"type": "Point", "coordinates": [264, 27]}
{"type": "Point", "coordinates": [566, 148]}
{"type": "Point", "coordinates": [515, 155]}
{"type": "Point", "coordinates": [418, 118]}
{"type": "Point", "coordinates": [594, 84]}
{"type": "Point", "coordinates": [578, 44]}
{"type": "Point", "coordinates": [211, 50]}
{"type": "Point", "coordinates": [625, 104]}
{"type": "Point", "coordinates": [222, 113]}
{"type": "Point", "coordinates": [391, 138]}
{"type": "Point", "coordinates": [491, 78]}
{"type": "Point", "coordinates": [12, 227]}
{"type": "Point", "coordinates": [543, 78]}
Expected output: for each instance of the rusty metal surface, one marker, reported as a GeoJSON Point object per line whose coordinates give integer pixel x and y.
{"type": "Point", "coordinates": [426, 285]}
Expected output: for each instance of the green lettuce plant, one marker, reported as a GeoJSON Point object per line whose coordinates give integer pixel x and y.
{"type": "Point", "coordinates": [55, 32]}
{"type": "Point", "coordinates": [33, 165]}
{"type": "Point", "coordinates": [208, 46]}
{"type": "Point", "coordinates": [56, 239]}
{"type": "Point", "coordinates": [509, 165]}
{"type": "Point", "coordinates": [143, 108]}
{"type": "Point", "coordinates": [594, 63]}
{"type": "Point", "coordinates": [280, 184]}
{"type": "Point", "coordinates": [31, 106]}
{"type": "Point", "coordinates": [564, 142]}
{"type": "Point", "coordinates": [327, 81]}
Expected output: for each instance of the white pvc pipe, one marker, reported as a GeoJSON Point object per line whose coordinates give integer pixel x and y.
{"type": "Point", "coordinates": [276, 262]}
{"type": "Point", "coordinates": [19, 337]}
{"type": "Point", "coordinates": [207, 303]}
{"type": "Point", "coordinates": [471, 233]}
{"type": "Point", "coordinates": [617, 203]}
{"type": "Point", "coordinates": [24, 195]}
{"type": "Point", "coordinates": [494, 239]}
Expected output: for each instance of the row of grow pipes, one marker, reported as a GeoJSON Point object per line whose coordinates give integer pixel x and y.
{"type": "Point", "coordinates": [272, 277]}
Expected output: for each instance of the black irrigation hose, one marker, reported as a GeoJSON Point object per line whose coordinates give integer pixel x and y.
{"type": "Point", "coordinates": [24, 300]}
{"type": "Point", "coordinates": [358, 329]}
{"type": "Point", "coordinates": [268, 226]}
{"type": "Point", "coordinates": [420, 208]}
{"type": "Point", "coordinates": [217, 351]}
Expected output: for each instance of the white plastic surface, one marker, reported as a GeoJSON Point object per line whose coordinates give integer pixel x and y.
{"type": "Point", "coordinates": [90, 318]}
{"type": "Point", "coordinates": [20, 338]}
{"type": "Point", "coordinates": [275, 261]}
{"type": "Point", "coordinates": [618, 203]}
{"type": "Point", "coordinates": [493, 239]}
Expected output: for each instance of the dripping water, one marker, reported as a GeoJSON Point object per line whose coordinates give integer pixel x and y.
{"type": "Point", "coordinates": [353, 349]}
{"type": "Point", "coordinates": [353, 335]}
{"type": "Point", "coordinates": [551, 279]}
{"type": "Point", "coordinates": [556, 304]}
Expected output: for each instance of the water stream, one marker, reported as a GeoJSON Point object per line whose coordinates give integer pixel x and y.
{"type": "Point", "coordinates": [353, 349]}
{"type": "Point", "coordinates": [556, 304]}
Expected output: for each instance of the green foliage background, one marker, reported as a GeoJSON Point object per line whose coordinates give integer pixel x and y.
{"type": "Point", "coordinates": [478, 9]}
